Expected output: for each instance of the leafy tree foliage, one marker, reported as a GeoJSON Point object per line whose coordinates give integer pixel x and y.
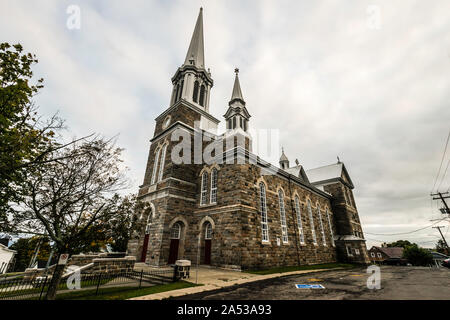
{"type": "Point", "coordinates": [417, 256]}
{"type": "Point", "coordinates": [398, 243]}
{"type": "Point", "coordinates": [26, 247]}
{"type": "Point", "coordinates": [25, 140]}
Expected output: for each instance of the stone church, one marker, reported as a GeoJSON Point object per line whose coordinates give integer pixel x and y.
{"type": "Point", "coordinates": [237, 211]}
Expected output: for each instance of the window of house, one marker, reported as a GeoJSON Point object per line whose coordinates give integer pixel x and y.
{"type": "Point", "coordinates": [240, 123]}
{"type": "Point", "coordinates": [175, 232]}
{"type": "Point", "coordinates": [378, 255]}
{"type": "Point", "coordinates": [229, 124]}
{"type": "Point", "coordinates": [324, 240]}
{"type": "Point", "coordinates": [155, 166]}
{"type": "Point", "coordinates": [195, 94]}
{"type": "Point", "coordinates": [284, 233]}
{"type": "Point", "coordinates": [234, 122]}
{"type": "Point", "coordinates": [214, 186]}
{"type": "Point", "coordinates": [204, 188]}
{"type": "Point", "coordinates": [372, 254]}
{"type": "Point", "coordinates": [262, 202]}
{"type": "Point", "coordinates": [357, 252]}
{"type": "Point", "coordinates": [161, 166]}
{"type": "Point", "coordinates": [245, 125]}
{"type": "Point", "coordinates": [202, 96]}
{"type": "Point", "coordinates": [311, 221]}
{"type": "Point", "coordinates": [331, 228]}
{"type": "Point", "coordinates": [208, 231]}
{"type": "Point", "coordinates": [299, 220]}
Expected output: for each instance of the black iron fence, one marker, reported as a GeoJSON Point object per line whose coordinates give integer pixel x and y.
{"type": "Point", "coordinates": [20, 288]}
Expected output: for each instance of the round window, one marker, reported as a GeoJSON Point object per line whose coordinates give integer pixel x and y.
{"type": "Point", "coordinates": [166, 122]}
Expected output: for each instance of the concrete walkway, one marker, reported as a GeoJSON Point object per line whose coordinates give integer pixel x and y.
{"type": "Point", "coordinates": [216, 278]}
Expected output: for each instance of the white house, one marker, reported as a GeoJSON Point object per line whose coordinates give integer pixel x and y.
{"type": "Point", "coordinates": [6, 257]}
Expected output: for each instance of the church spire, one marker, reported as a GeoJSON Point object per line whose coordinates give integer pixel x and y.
{"type": "Point", "coordinates": [196, 52]}
{"type": "Point", "coordinates": [237, 92]}
{"type": "Point", "coordinates": [192, 82]}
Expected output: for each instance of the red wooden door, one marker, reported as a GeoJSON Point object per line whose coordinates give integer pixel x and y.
{"type": "Point", "coordinates": [173, 251]}
{"type": "Point", "coordinates": [208, 251]}
{"type": "Point", "coordinates": [144, 248]}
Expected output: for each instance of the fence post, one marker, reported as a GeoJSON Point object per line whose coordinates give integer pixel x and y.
{"type": "Point", "coordinates": [140, 281]}
{"type": "Point", "coordinates": [98, 282]}
{"type": "Point", "coordinates": [43, 287]}
{"type": "Point", "coordinates": [175, 271]}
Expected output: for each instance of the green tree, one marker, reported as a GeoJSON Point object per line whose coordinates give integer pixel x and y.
{"type": "Point", "coordinates": [417, 256]}
{"type": "Point", "coordinates": [25, 139]}
{"type": "Point", "coordinates": [130, 218]}
{"type": "Point", "coordinates": [73, 199]}
{"type": "Point", "coordinates": [26, 247]}
{"type": "Point", "coordinates": [398, 243]}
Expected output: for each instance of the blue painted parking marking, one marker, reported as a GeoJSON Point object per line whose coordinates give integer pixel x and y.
{"type": "Point", "coordinates": [309, 286]}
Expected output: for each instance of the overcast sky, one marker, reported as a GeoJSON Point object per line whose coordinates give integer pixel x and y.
{"type": "Point", "coordinates": [365, 80]}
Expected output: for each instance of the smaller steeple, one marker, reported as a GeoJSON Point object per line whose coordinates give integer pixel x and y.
{"type": "Point", "coordinates": [237, 115]}
{"type": "Point", "coordinates": [236, 95]}
{"type": "Point", "coordinates": [284, 161]}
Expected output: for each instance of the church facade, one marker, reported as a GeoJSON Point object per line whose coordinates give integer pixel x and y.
{"type": "Point", "coordinates": [236, 210]}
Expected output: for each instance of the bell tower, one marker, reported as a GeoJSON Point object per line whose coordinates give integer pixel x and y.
{"type": "Point", "coordinates": [192, 82]}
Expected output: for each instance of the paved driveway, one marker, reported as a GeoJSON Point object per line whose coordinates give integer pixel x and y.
{"type": "Point", "coordinates": [396, 283]}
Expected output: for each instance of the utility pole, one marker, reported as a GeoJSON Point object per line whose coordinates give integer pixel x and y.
{"type": "Point", "coordinates": [445, 210]}
{"type": "Point", "coordinates": [439, 228]}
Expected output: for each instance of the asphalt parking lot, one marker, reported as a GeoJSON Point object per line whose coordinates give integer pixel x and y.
{"type": "Point", "coordinates": [397, 282]}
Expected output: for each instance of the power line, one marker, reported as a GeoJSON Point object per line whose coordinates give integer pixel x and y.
{"type": "Point", "coordinates": [445, 173]}
{"type": "Point", "coordinates": [401, 233]}
{"type": "Point", "coordinates": [442, 160]}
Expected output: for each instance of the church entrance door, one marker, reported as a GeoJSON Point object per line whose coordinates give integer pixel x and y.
{"type": "Point", "coordinates": [173, 252]}
{"type": "Point", "coordinates": [144, 248]}
{"type": "Point", "coordinates": [207, 251]}
{"type": "Point", "coordinates": [175, 234]}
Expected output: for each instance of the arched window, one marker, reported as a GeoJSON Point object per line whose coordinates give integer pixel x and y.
{"type": "Point", "coordinates": [175, 231]}
{"type": "Point", "coordinates": [175, 98]}
{"type": "Point", "coordinates": [149, 220]}
{"type": "Point", "coordinates": [155, 165]}
{"type": "Point", "coordinates": [204, 188]}
{"type": "Point", "coordinates": [331, 227]}
{"type": "Point", "coordinates": [311, 221]}
{"type": "Point", "coordinates": [195, 95]}
{"type": "Point", "coordinates": [324, 240]}
{"type": "Point", "coordinates": [346, 196]}
{"type": "Point", "coordinates": [284, 233]}
{"type": "Point", "coordinates": [208, 231]}
{"type": "Point", "coordinates": [299, 221]}
{"type": "Point", "coordinates": [350, 199]}
{"type": "Point", "coordinates": [161, 166]}
{"type": "Point", "coordinates": [202, 96]}
{"type": "Point", "coordinates": [262, 202]}
{"type": "Point", "coordinates": [234, 122]}
{"type": "Point", "coordinates": [213, 186]}
{"type": "Point", "coordinates": [181, 89]}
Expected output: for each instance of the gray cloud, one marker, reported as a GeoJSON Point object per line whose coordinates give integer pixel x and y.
{"type": "Point", "coordinates": [378, 98]}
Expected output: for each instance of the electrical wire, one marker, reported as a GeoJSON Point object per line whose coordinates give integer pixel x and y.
{"type": "Point", "coordinates": [401, 233]}
{"type": "Point", "coordinates": [442, 160]}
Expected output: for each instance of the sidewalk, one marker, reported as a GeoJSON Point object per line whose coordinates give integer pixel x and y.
{"type": "Point", "coordinates": [216, 278]}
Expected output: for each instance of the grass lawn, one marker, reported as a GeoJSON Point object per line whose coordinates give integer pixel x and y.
{"type": "Point", "coordinates": [122, 293]}
{"type": "Point", "coordinates": [306, 267]}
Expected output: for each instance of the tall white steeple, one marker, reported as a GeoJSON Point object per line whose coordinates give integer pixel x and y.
{"type": "Point", "coordinates": [192, 82]}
